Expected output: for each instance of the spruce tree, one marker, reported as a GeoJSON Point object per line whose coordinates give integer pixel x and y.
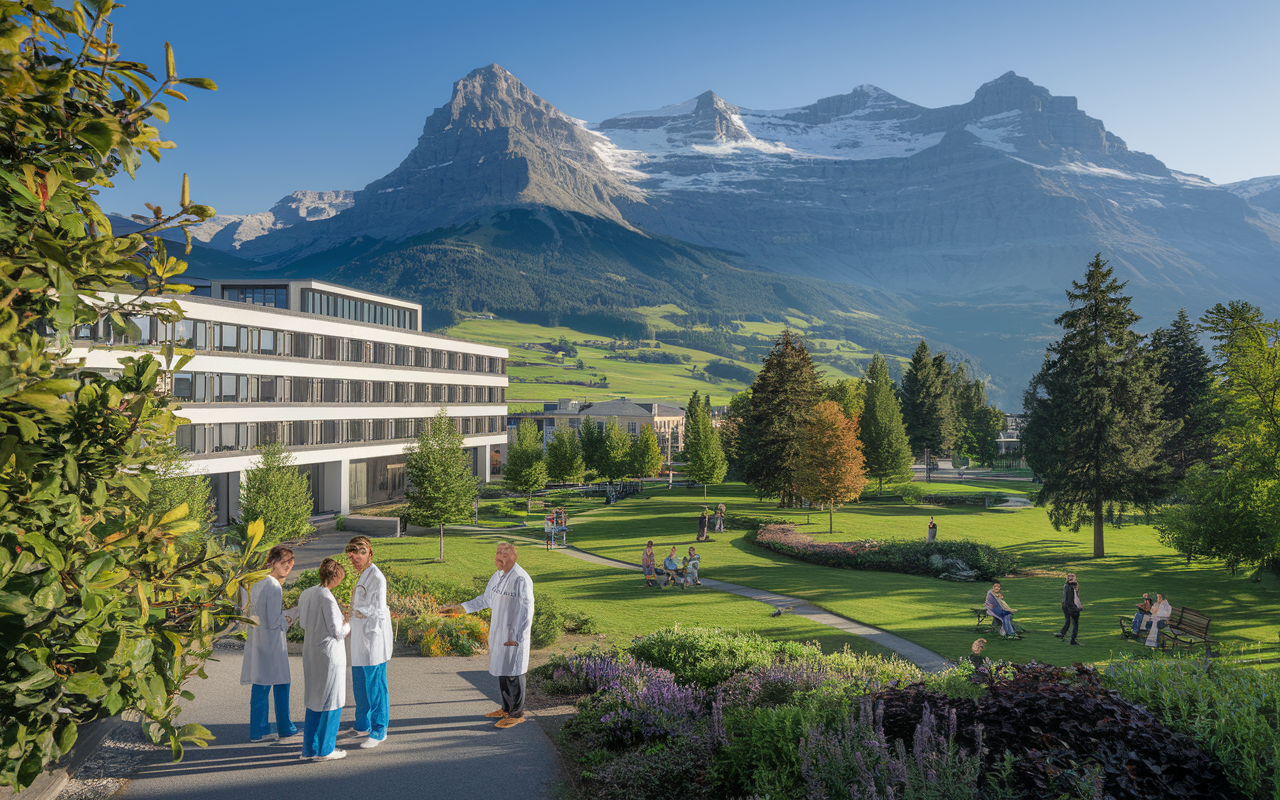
{"type": "Point", "coordinates": [831, 467]}
{"type": "Point", "coordinates": [925, 407]}
{"type": "Point", "coordinates": [691, 431]}
{"type": "Point", "coordinates": [883, 435]}
{"type": "Point", "coordinates": [1186, 370]}
{"type": "Point", "coordinates": [784, 391]}
{"type": "Point", "coordinates": [440, 486]}
{"type": "Point", "coordinates": [526, 469]}
{"type": "Point", "coordinates": [564, 457]}
{"type": "Point", "coordinates": [1094, 434]}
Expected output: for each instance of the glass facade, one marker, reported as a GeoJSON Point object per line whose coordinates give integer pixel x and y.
{"type": "Point", "coordinates": [199, 439]}
{"type": "Point", "coordinates": [269, 296]}
{"type": "Point", "coordinates": [327, 304]}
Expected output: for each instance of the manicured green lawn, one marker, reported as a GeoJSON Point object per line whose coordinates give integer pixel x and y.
{"type": "Point", "coordinates": [932, 612]}
{"type": "Point", "coordinates": [617, 599]}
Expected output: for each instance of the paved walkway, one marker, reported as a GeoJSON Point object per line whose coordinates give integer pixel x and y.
{"type": "Point", "coordinates": [439, 743]}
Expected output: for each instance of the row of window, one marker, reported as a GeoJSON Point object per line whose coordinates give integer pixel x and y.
{"type": "Point", "coordinates": [225, 387]}
{"type": "Point", "coordinates": [232, 436]}
{"type": "Point", "coordinates": [336, 305]}
{"type": "Point", "coordinates": [201, 335]}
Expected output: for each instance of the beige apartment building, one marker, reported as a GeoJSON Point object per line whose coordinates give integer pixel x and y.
{"type": "Point", "coordinates": [632, 415]}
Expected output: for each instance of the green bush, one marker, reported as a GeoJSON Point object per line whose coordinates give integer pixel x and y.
{"type": "Point", "coordinates": [709, 656]}
{"type": "Point", "coordinates": [910, 557]}
{"type": "Point", "coordinates": [1232, 712]}
{"type": "Point", "coordinates": [762, 753]}
{"type": "Point", "coordinates": [276, 493]}
{"type": "Point", "coordinates": [434, 635]}
{"type": "Point", "coordinates": [910, 492]}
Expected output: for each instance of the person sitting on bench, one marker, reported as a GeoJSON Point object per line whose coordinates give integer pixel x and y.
{"type": "Point", "coordinates": [671, 567]}
{"type": "Point", "coordinates": [691, 564]}
{"type": "Point", "coordinates": [999, 609]}
{"type": "Point", "coordinates": [1160, 611]}
{"type": "Point", "coordinates": [1141, 615]}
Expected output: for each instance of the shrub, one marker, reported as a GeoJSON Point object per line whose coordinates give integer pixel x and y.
{"type": "Point", "coordinates": [1232, 712]}
{"type": "Point", "coordinates": [910, 492]}
{"type": "Point", "coordinates": [910, 557]}
{"type": "Point", "coordinates": [673, 769]}
{"type": "Point", "coordinates": [760, 748]}
{"type": "Point", "coordinates": [445, 636]}
{"type": "Point", "coordinates": [311, 577]}
{"type": "Point", "coordinates": [708, 656]}
{"type": "Point", "coordinates": [275, 492]}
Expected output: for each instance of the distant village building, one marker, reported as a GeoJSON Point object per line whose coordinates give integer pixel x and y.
{"type": "Point", "coordinates": [633, 415]}
{"type": "Point", "coordinates": [1009, 440]}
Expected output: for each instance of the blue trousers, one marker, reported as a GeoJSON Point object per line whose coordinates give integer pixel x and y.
{"type": "Point", "coordinates": [320, 732]}
{"type": "Point", "coordinates": [259, 719]}
{"type": "Point", "coordinates": [1006, 619]}
{"type": "Point", "coordinates": [373, 705]}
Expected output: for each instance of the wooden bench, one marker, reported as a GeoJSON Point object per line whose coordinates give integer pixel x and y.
{"type": "Point", "coordinates": [1186, 627]}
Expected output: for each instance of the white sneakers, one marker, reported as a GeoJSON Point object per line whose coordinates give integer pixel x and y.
{"type": "Point", "coordinates": [369, 744]}
{"type": "Point", "coordinates": [334, 756]}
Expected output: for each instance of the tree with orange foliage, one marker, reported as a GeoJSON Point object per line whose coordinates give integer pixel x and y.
{"type": "Point", "coordinates": [831, 468]}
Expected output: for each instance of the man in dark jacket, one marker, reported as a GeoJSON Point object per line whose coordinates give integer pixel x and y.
{"type": "Point", "coordinates": [1071, 606]}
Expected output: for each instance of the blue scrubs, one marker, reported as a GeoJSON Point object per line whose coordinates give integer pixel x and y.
{"type": "Point", "coordinates": [373, 703]}
{"type": "Point", "coordinates": [259, 711]}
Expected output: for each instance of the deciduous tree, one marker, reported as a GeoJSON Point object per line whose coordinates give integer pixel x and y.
{"type": "Point", "coordinates": [646, 455]}
{"type": "Point", "coordinates": [592, 440]}
{"type": "Point", "coordinates": [564, 457]}
{"type": "Point", "coordinates": [884, 438]}
{"type": "Point", "coordinates": [616, 451]}
{"type": "Point", "coordinates": [440, 485]}
{"type": "Point", "coordinates": [831, 469]}
{"type": "Point", "coordinates": [526, 469]}
{"type": "Point", "coordinates": [1094, 432]}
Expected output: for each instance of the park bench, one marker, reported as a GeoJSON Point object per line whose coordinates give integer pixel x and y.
{"type": "Point", "coordinates": [1187, 627]}
{"type": "Point", "coordinates": [985, 623]}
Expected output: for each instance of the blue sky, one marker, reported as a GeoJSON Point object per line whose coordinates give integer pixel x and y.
{"type": "Point", "coordinates": [327, 95]}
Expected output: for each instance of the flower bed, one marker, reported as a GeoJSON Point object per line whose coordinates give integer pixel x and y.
{"type": "Point", "coordinates": [810, 725]}
{"type": "Point", "coordinates": [956, 560]}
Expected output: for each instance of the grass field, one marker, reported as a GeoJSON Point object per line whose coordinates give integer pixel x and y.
{"type": "Point", "coordinates": [670, 382]}
{"type": "Point", "coordinates": [616, 599]}
{"type": "Point", "coordinates": [932, 612]}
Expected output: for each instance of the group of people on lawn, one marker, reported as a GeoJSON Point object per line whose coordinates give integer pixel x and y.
{"type": "Point", "coordinates": [1152, 615]}
{"type": "Point", "coordinates": [327, 627]}
{"type": "Point", "coordinates": [684, 573]}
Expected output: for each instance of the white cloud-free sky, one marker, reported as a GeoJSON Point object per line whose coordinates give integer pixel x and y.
{"type": "Point", "coordinates": [328, 95]}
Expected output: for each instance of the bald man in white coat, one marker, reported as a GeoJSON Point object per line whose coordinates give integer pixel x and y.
{"type": "Point", "coordinates": [510, 595]}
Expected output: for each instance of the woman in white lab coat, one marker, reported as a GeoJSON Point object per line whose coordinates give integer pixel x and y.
{"type": "Point", "coordinates": [324, 664]}
{"type": "Point", "coordinates": [266, 655]}
{"type": "Point", "coordinates": [371, 642]}
{"type": "Point", "coordinates": [510, 595]}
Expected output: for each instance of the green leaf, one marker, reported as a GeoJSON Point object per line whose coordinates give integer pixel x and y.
{"type": "Point", "coordinates": [138, 487]}
{"type": "Point", "coordinates": [180, 512]}
{"type": "Point", "coordinates": [89, 684]}
{"type": "Point", "coordinates": [200, 83]}
{"type": "Point", "coordinates": [99, 136]}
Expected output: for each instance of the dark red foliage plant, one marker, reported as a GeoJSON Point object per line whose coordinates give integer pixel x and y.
{"type": "Point", "coordinates": [1050, 718]}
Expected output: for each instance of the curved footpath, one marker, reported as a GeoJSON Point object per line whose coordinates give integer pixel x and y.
{"type": "Point", "coordinates": [922, 657]}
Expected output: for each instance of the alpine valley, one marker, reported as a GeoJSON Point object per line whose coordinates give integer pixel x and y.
{"type": "Point", "coordinates": [864, 217]}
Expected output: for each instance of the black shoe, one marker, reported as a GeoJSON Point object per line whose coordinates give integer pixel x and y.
{"type": "Point", "coordinates": [1077, 644]}
{"type": "Point", "coordinates": [1057, 636]}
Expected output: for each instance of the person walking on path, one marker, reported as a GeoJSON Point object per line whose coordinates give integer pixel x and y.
{"type": "Point", "coordinates": [1071, 606]}
{"type": "Point", "coordinates": [371, 644]}
{"type": "Point", "coordinates": [266, 655]}
{"type": "Point", "coordinates": [324, 664]}
{"type": "Point", "coordinates": [510, 595]}
{"type": "Point", "coordinates": [933, 531]}
{"type": "Point", "coordinates": [648, 564]}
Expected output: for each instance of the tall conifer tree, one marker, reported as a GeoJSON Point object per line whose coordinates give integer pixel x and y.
{"type": "Point", "coordinates": [1095, 433]}
{"type": "Point", "coordinates": [884, 437]}
{"type": "Point", "coordinates": [784, 391]}
{"type": "Point", "coordinates": [705, 462]}
{"type": "Point", "coordinates": [1186, 370]}
{"type": "Point", "coordinates": [925, 409]}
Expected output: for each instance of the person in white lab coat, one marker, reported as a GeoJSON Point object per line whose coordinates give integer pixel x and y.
{"type": "Point", "coordinates": [510, 595]}
{"type": "Point", "coordinates": [324, 664]}
{"type": "Point", "coordinates": [371, 636]}
{"type": "Point", "coordinates": [266, 655]}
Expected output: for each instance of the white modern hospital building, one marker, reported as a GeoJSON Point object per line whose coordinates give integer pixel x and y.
{"type": "Point", "coordinates": [344, 379]}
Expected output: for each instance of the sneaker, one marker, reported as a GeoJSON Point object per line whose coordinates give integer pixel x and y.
{"type": "Point", "coordinates": [334, 756]}
{"type": "Point", "coordinates": [270, 737]}
{"type": "Point", "coordinates": [370, 743]}
{"type": "Point", "coordinates": [509, 722]}
{"type": "Point", "coordinates": [306, 758]}
{"type": "Point", "coordinates": [497, 713]}
{"type": "Point", "coordinates": [1057, 636]}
